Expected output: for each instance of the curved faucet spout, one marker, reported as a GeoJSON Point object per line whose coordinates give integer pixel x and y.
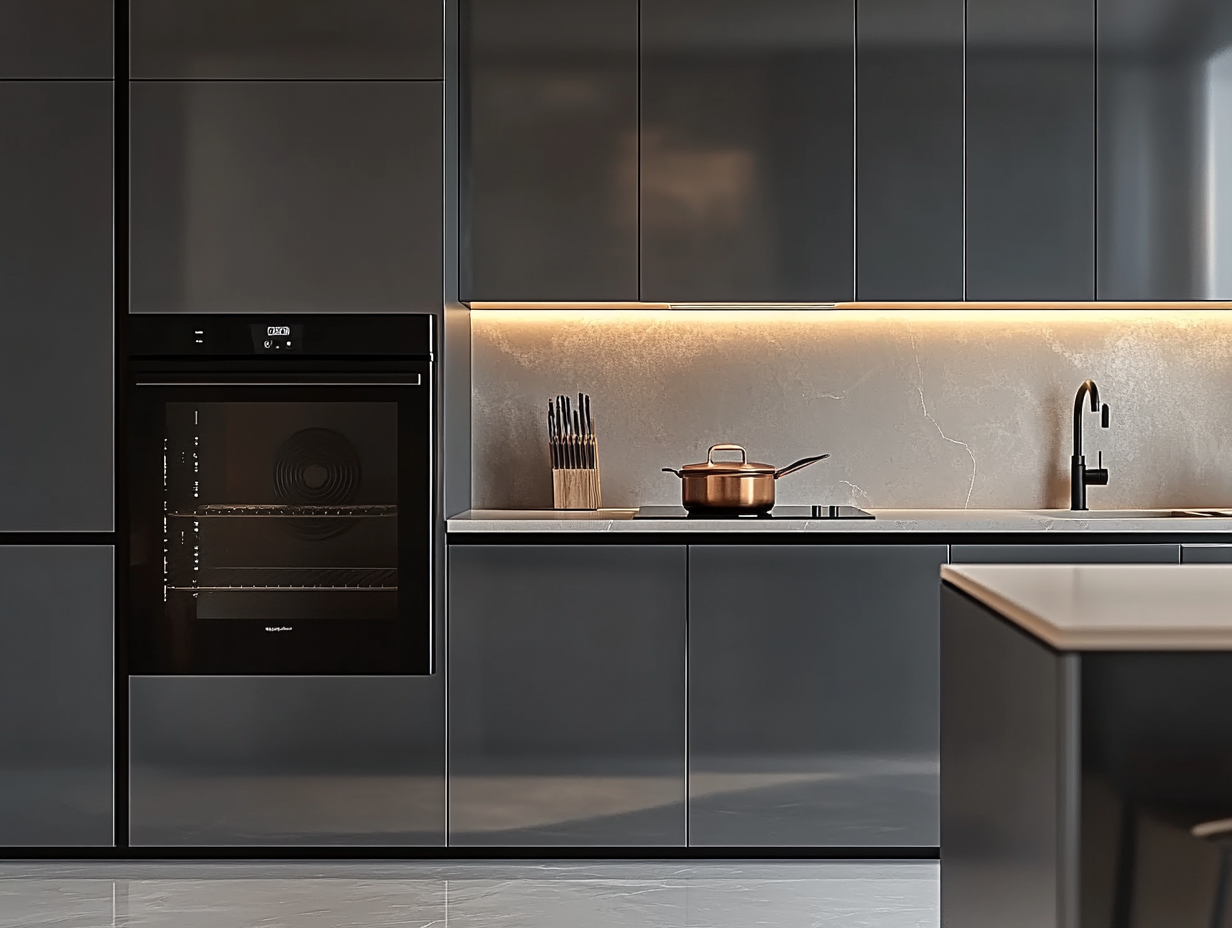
{"type": "Point", "coordinates": [1088, 386]}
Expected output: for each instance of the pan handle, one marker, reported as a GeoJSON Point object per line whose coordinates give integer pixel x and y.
{"type": "Point", "coordinates": [799, 465]}
{"type": "Point", "coordinates": [674, 471]}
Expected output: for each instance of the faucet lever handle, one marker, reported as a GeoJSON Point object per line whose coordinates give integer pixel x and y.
{"type": "Point", "coordinates": [1103, 418]}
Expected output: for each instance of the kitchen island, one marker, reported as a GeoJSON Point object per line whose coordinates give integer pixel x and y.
{"type": "Point", "coordinates": [1086, 744]}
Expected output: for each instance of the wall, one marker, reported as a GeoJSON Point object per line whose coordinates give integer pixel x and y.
{"type": "Point", "coordinates": [951, 409]}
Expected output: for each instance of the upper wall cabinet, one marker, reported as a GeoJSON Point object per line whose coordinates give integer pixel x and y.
{"type": "Point", "coordinates": [281, 196]}
{"type": "Point", "coordinates": [56, 305]}
{"type": "Point", "coordinates": [747, 173]}
{"type": "Point", "coordinates": [550, 150]}
{"type": "Point", "coordinates": [56, 38]}
{"type": "Point", "coordinates": [1164, 162]}
{"type": "Point", "coordinates": [1030, 183]}
{"type": "Point", "coordinates": [909, 150]}
{"type": "Point", "coordinates": [286, 38]}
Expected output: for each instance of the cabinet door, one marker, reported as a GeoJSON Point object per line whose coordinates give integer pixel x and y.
{"type": "Point", "coordinates": [1030, 157]}
{"type": "Point", "coordinates": [549, 181]}
{"type": "Point", "coordinates": [279, 196]}
{"type": "Point", "coordinates": [56, 38]}
{"type": "Point", "coordinates": [56, 684]}
{"type": "Point", "coordinates": [566, 695]}
{"type": "Point", "coordinates": [1065, 554]}
{"type": "Point", "coordinates": [287, 39]}
{"type": "Point", "coordinates": [813, 695]}
{"type": "Point", "coordinates": [747, 150]}
{"type": "Point", "coordinates": [909, 150]}
{"type": "Point", "coordinates": [1164, 150]}
{"type": "Point", "coordinates": [287, 761]}
{"type": "Point", "coordinates": [56, 367]}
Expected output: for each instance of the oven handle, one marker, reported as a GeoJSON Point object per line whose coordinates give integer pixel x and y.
{"type": "Point", "coordinates": [412, 380]}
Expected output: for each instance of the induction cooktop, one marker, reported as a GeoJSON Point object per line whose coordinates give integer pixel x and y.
{"type": "Point", "coordinates": [778, 512]}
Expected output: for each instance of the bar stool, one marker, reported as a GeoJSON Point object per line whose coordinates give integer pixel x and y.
{"type": "Point", "coordinates": [1219, 832]}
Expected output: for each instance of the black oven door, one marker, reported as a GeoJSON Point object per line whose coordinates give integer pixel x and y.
{"type": "Point", "coordinates": [281, 524]}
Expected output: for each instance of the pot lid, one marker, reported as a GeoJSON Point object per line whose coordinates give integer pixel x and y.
{"type": "Point", "coordinates": [712, 467]}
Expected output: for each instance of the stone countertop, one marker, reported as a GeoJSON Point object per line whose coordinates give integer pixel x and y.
{"type": "Point", "coordinates": [1107, 607]}
{"type": "Point", "coordinates": [959, 521]}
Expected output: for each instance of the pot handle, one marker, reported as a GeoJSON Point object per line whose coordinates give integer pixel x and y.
{"type": "Point", "coordinates": [672, 470]}
{"type": "Point", "coordinates": [727, 446]}
{"type": "Point", "coordinates": [799, 465]}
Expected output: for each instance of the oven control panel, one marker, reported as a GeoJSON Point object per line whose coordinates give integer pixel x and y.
{"type": "Point", "coordinates": [277, 339]}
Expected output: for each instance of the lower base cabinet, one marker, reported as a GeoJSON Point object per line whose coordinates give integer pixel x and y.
{"type": "Point", "coordinates": [566, 695]}
{"type": "Point", "coordinates": [56, 686]}
{"type": "Point", "coordinates": [286, 761]}
{"type": "Point", "coordinates": [814, 695]}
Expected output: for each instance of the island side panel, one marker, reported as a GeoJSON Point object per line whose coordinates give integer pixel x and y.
{"type": "Point", "coordinates": [1005, 700]}
{"type": "Point", "coordinates": [1157, 759]}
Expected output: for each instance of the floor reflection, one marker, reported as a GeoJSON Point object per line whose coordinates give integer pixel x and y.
{"type": "Point", "coordinates": [465, 895]}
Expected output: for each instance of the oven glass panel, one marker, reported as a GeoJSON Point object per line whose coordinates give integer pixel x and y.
{"type": "Point", "coordinates": [282, 512]}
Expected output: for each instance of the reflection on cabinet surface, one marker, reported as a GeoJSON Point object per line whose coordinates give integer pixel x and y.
{"type": "Point", "coordinates": [909, 150]}
{"type": "Point", "coordinates": [287, 761]}
{"type": "Point", "coordinates": [1030, 185]}
{"type": "Point", "coordinates": [281, 196]}
{"type": "Point", "coordinates": [747, 119]}
{"type": "Point", "coordinates": [813, 695]}
{"type": "Point", "coordinates": [566, 695]}
{"type": "Point", "coordinates": [56, 38]}
{"type": "Point", "coordinates": [56, 367]}
{"type": "Point", "coordinates": [56, 611]}
{"type": "Point", "coordinates": [1164, 164]}
{"type": "Point", "coordinates": [287, 39]}
{"type": "Point", "coordinates": [550, 171]}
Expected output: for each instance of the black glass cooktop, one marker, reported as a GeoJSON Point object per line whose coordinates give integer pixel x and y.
{"type": "Point", "coordinates": [778, 512]}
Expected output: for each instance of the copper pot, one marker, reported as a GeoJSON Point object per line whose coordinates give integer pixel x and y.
{"type": "Point", "coordinates": [732, 487]}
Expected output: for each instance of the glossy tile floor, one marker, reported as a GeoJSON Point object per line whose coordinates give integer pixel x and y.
{"type": "Point", "coordinates": [470, 895]}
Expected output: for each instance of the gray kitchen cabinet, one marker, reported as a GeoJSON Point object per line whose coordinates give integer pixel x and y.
{"type": "Point", "coordinates": [909, 150]}
{"type": "Point", "coordinates": [56, 363]}
{"type": "Point", "coordinates": [1065, 554]}
{"type": "Point", "coordinates": [1206, 554]}
{"type": "Point", "coordinates": [56, 684]}
{"type": "Point", "coordinates": [550, 160]}
{"type": "Point", "coordinates": [1029, 126]}
{"type": "Point", "coordinates": [813, 695]}
{"type": "Point", "coordinates": [286, 761]}
{"type": "Point", "coordinates": [747, 155]}
{"type": "Point", "coordinates": [56, 39]}
{"type": "Point", "coordinates": [1164, 150]}
{"type": "Point", "coordinates": [567, 695]}
{"type": "Point", "coordinates": [280, 196]}
{"type": "Point", "coordinates": [287, 39]}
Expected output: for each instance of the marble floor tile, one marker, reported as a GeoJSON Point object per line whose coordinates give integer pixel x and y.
{"type": "Point", "coordinates": [639, 894]}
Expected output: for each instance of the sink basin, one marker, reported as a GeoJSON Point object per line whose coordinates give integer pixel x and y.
{"type": "Point", "coordinates": [1135, 514]}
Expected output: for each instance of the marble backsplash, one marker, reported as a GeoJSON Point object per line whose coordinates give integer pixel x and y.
{"type": "Point", "coordinates": [918, 408]}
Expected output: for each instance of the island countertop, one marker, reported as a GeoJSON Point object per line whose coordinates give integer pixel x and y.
{"type": "Point", "coordinates": [1106, 607]}
{"type": "Point", "coordinates": [959, 521]}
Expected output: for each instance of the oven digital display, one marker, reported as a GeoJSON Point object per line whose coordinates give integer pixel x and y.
{"type": "Point", "coordinates": [277, 339]}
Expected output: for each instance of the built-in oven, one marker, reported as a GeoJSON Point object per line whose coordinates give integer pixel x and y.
{"type": "Point", "coordinates": [281, 495]}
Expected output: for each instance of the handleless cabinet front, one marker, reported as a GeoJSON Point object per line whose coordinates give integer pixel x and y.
{"type": "Point", "coordinates": [56, 684]}
{"type": "Point", "coordinates": [56, 365]}
{"type": "Point", "coordinates": [56, 39]}
{"type": "Point", "coordinates": [813, 695]}
{"type": "Point", "coordinates": [286, 196]}
{"type": "Point", "coordinates": [1065, 554]}
{"type": "Point", "coordinates": [747, 150]}
{"type": "Point", "coordinates": [286, 761]}
{"type": "Point", "coordinates": [550, 166]}
{"type": "Point", "coordinates": [566, 695]}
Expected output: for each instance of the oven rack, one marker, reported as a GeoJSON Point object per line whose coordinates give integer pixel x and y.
{"type": "Point", "coordinates": [287, 579]}
{"type": "Point", "coordinates": [281, 511]}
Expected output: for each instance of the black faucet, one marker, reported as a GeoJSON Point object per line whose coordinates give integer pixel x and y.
{"type": "Point", "coordinates": [1081, 476]}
